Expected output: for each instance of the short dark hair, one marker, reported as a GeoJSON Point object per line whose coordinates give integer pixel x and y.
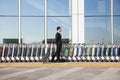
{"type": "Point", "coordinates": [58, 28]}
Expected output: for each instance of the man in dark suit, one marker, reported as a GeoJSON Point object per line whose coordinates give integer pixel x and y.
{"type": "Point", "coordinates": [58, 43]}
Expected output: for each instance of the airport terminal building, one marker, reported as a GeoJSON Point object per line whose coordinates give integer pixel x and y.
{"type": "Point", "coordinates": [82, 21]}
{"type": "Point", "coordinates": [33, 22]}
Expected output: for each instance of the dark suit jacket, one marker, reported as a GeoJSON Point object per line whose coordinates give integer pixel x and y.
{"type": "Point", "coordinates": [58, 40]}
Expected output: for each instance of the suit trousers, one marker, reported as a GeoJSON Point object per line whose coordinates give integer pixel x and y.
{"type": "Point", "coordinates": [57, 53]}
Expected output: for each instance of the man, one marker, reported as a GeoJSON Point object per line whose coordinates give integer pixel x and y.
{"type": "Point", "coordinates": [58, 43]}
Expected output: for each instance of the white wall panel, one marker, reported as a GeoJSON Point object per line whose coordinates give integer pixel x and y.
{"type": "Point", "coordinates": [78, 21]}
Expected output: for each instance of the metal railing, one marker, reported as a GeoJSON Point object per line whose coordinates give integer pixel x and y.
{"type": "Point", "coordinates": [76, 52]}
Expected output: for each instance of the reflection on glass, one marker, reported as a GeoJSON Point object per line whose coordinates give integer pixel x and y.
{"type": "Point", "coordinates": [63, 22]}
{"type": "Point", "coordinates": [97, 21]}
{"type": "Point", "coordinates": [58, 8]}
{"type": "Point", "coordinates": [8, 28]}
{"type": "Point", "coordinates": [97, 7]}
{"type": "Point", "coordinates": [117, 29]}
{"type": "Point", "coordinates": [32, 29]}
{"type": "Point", "coordinates": [97, 29]}
{"type": "Point", "coordinates": [8, 7]}
{"type": "Point", "coordinates": [116, 7]}
{"type": "Point", "coordinates": [32, 7]}
{"type": "Point", "coordinates": [59, 14]}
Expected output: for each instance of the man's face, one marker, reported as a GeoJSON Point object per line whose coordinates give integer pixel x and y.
{"type": "Point", "coordinates": [60, 30]}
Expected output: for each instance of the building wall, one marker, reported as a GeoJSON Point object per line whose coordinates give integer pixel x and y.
{"type": "Point", "coordinates": [96, 21]}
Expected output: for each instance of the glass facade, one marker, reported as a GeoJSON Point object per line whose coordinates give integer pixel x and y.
{"type": "Point", "coordinates": [97, 29]}
{"type": "Point", "coordinates": [96, 12]}
{"type": "Point", "coordinates": [32, 21]}
{"type": "Point", "coordinates": [8, 19]}
{"type": "Point", "coordinates": [64, 22]}
{"type": "Point", "coordinates": [32, 8]}
{"type": "Point", "coordinates": [58, 8]}
{"type": "Point", "coordinates": [59, 15]}
{"type": "Point", "coordinates": [32, 29]}
{"type": "Point", "coordinates": [116, 21]}
{"type": "Point", "coordinates": [97, 21]}
{"type": "Point", "coordinates": [9, 7]}
{"type": "Point", "coordinates": [8, 28]}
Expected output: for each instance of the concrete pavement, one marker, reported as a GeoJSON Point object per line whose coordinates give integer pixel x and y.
{"type": "Point", "coordinates": [60, 72]}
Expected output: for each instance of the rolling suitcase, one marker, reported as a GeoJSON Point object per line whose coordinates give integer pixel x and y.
{"type": "Point", "coordinates": [45, 58]}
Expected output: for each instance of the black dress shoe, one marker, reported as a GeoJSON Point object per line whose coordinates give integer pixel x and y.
{"type": "Point", "coordinates": [58, 60]}
{"type": "Point", "coordinates": [52, 61]}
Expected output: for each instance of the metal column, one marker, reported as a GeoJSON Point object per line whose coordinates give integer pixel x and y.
{"type": "Point", "coordinates": [19, 21]}
{"type": "Point", "coordinates": [45, 23]}
{"type": "Point", "coordinates": [112, 23]}
{"type": "Point", "coordinates": [78, 21]}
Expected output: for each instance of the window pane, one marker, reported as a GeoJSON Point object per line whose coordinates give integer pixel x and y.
{"type": "Point", "coordinates": [58, 8]}
{"type": "Point", "coordinates": [116, 7]}
{"type": "Point", "coordinates": [97, 21]}
{"type": "Point", "coordinates": [97, 7]}
{"type": "Point", "coordinates": [63, 22]}
{"type": "Point", "coordinates": [32, 29]}
{"type": "Point", "coordinates": [8, 7]}
{"type": "Point", "coordinates": [32, 7]}
{"type": "Point", "coordinates": [117, 29]}
{"type": "Point", "coordinates": [97, 29]}
{"type": "Point", "coordinates": [8, 28]}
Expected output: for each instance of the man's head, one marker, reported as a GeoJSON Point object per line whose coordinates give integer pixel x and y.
{"type": "Point", "coordinates": [59, 29]}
